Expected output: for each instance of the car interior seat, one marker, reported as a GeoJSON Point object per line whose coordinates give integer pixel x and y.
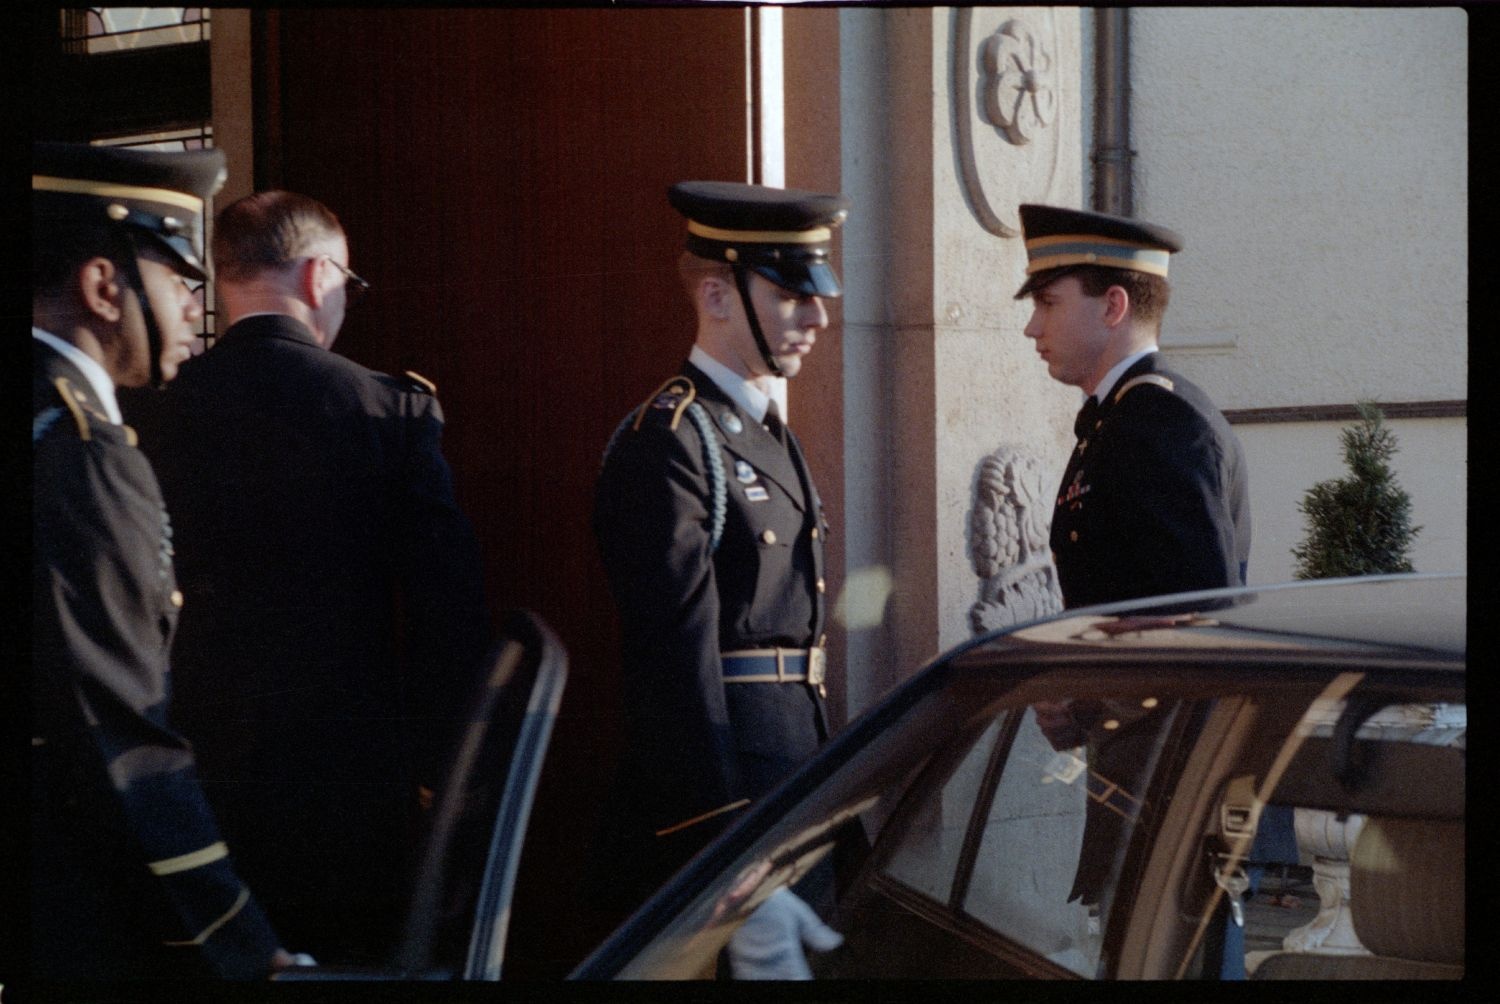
{"type": "Point", "coordinates": [1406, 895]}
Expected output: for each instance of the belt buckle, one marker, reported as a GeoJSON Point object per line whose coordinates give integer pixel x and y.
{"type": "Point", "coordinates": [817, 665]}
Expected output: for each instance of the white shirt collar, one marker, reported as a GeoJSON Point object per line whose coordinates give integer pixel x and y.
{"type": "Point", "coordinates": [99, 381]}
{"type": "Point", "coordinates": [749, 397]}
{"type": "Point", "coordinates": [1118, 370]}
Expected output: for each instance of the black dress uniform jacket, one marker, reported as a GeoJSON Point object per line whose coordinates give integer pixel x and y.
{"type": "Point", "coordinates": [1153, 501]}
{"type": "Point", "coordinates": [316, 516]}
{"type": "Point", "coordinates": [697, 744]}
{"type": "Point", "coordinates": [129, 876]}
{"type": "Point", "coordinates": [1155, 497]}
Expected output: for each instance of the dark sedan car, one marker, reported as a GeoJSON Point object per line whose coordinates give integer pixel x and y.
{"type": "Point", "coordinates": [1258, 782]}
{"type": "Point", "coordinates": [1266, 782]}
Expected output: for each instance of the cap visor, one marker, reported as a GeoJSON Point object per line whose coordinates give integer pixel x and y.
{"type": "Point", "coordinates": [806, 278]}
{"type": "Point", "coordinates": [1046, 277]}
{"type": "Point", "coordinates": [184, 256]}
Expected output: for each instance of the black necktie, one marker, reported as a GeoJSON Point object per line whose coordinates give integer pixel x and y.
{"type": "Point", "coordinates": [1087, 416]}
{"type": "Point", "coordinates": [774, 424]}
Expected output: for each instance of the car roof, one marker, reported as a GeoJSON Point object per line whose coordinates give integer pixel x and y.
{"type": "Point", "coordinates": [1413, 619]}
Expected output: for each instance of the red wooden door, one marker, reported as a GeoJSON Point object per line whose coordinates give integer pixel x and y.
{"type": "Point", "coordinates": [502, 175]}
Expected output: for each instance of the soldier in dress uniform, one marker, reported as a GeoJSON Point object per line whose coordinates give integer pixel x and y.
{"type": "Point", "coordinates": [129, 876]}
{"type": "Point", "coordinates": [340, 617]}
{"type": "Point", "coordinates": [1155, 496]}
{"type": "Point", "coordinates": [712, 535]}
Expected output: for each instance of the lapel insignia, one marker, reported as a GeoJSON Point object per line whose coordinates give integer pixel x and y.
{"type": "Point", "coordinates": [746, 475]}
{"type": "Point", "coordinates": [731, 423]}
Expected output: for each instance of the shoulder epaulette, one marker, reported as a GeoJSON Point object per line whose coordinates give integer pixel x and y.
{"type": "Point", "coordinates": [677, 395]}
{"type": "Point", "coordinates": [422, 383]}
{"type": "Point", "coordinates": [1165, 383]}
{"type": "Point", "coordinates": [674, 395]}
{"type": "Point", "coordinates": [74, 402]}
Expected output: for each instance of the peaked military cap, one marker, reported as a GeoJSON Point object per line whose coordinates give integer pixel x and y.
{"type": "Point", "coordinates": [163, 195]}
{"type": "Point", "coordinates": [782, 233]}
{"type": "Point", "coordinates": [1058, 238]}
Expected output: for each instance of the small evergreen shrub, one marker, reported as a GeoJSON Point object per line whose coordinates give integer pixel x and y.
{"type": "Point", "coordinates": [1360, 524]}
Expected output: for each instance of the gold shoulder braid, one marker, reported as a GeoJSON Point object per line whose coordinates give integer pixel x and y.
{"type": "Point", "coordinates": [676, 394]}
{"type": "Point", "coordinates": [72, 399]}
{"type": "Point", "coordinates": [1165, 383]}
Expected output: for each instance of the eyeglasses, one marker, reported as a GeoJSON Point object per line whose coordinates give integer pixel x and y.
{"type": "Point", "coordinates": [354, 286]}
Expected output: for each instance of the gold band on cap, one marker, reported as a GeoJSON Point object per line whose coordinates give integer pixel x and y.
{"type": "Point", "coordinates": [1058, 250]}
{"type": "Point", "coordinates": [1052, 239]}
{"type": "Point", "coordinates": [817, 235]}
{"type": "Point", "coordinates": [1108, 261]}
{"type": "Point", "coordinates": [108, 190]}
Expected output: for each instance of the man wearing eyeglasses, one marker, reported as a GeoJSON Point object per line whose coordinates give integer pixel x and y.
{"type": "Point", "coordinates": [335, 614]}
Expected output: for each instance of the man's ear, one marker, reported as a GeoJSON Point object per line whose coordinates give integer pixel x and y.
{"type": "Point", "coordinates": [1116, 305]}
{"type": "Point", "coordinates": [716, 297]}
{"type": "Point", "coordinates": [100, 289]}
{"type": "Point", "coordinates": [310, 281]}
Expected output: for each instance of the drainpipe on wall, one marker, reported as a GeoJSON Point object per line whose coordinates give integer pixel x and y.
{"type": "Point", "coordinates": [1112, 154]}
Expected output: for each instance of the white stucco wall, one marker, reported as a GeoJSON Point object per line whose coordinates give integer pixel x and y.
{"type": "Point", "coordinates": [1316, 163]}
{"type": "Point", "coordinates": [1287, 459]}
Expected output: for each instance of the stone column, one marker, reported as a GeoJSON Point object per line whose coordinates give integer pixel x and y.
{"type": "Point", "coordinates": [951, 118]}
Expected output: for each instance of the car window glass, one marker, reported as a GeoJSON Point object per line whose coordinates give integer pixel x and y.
{"type": "Point", "coordinates": [1029, 853]}
{"type": "Point", "coordinates": [1405, 772]}
{"type": "Point", "coordinates": [927, 857]}
{"type": "Point", "coordinates": [1019, 849]}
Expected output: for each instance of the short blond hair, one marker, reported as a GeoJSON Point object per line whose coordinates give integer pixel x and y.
{"type": "Point", "coordinates": [692, 270]}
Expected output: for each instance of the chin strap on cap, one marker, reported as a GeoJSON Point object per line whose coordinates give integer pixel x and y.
{"type": "Point", "coordinates": [742, 282]}
{"type": "Point", "coordinates": [131, 272]}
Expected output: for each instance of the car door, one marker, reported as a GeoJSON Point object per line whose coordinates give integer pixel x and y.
{"type": "Point", "coordinates": [457, 922]}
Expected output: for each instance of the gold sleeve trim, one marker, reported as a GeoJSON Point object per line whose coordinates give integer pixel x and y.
{"type": "Point", "coordinates": [707, 815]}
{"type": "Point", "coordinates": [187, 862]}
{"type": "Point", "coordinates": [208, 932]}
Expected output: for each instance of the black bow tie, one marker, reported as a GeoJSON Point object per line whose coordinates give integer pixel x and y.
{"type": "Point", "coordinates": [1087, 416]}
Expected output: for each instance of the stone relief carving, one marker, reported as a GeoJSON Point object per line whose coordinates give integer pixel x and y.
{"type": "Point", "coordinates": [1008, 541]}
{"type": "Point", "coordinates": [1020, 90]}
{"type": "Point", "coordinates": [1010, 83]}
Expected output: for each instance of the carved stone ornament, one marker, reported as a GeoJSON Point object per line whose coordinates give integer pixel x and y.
{"type": "Point", "coordinates": [1020, 88]}
{"type": "Point", "coordinates": [1007, 113]}
{"type": "Point", "coordinates": [1008, 542]}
